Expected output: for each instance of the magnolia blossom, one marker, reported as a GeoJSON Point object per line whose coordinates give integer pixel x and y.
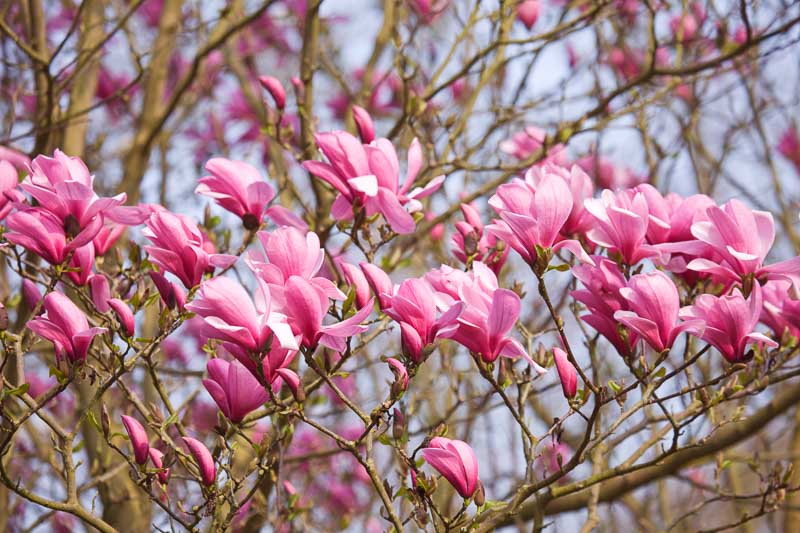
{"type": "Point", "coordinates": [138, 438]}
{"type": "Point", "coordinates": [42, 233]}
{"type": "Point", "coordinates": [488, 314]}
{"type": "Point", "coordinates": [19, 160]}
{"type": "Point", "coordinates": [730, 322]}
{"type": "Point", "coordinates": [9, 194]}
{"type": "Point", "coordinates": [456, 462]}
{"type": "Point", "coordinates": [290, 252]}
{"type": "Point", "coordinates": [566, 373]}
{"type": "Point", "coordinates": [781, 310]}
{"type": "Point", "coordinates": [654, 306]}
{"type": "Point", "coordinates": [366, 128]}
{"type": "Point", "coordinates": [181, 248]}
{"type": "Point", "coordinates": [357, 280]}
{"type": "Point", "coordinates": [230, 315]}
{"type": "Point", "coordinates": [413, 306]}
{"type": "Point", "coordinates": [234, 388]}
{"type": "Point", "coordinates": [380, 283]}
{"type": "Point", "coordinates": [524, 144]}
{"type": "Point", "coordinates": [789, 146]}
{"type": "Point", "coordinates": [306, 306]}
{"type": "Point", "coordinates": [534, 213]}
{"type": "Point", "coordinates": [601, 296]}
{"type": "Point", "coordinates": [204, 459]}
{"type": "Point", "coordinates": [429, 10]}
{"type": "Point", "coordinates": [275, 89]}
{"type": "Point", "coordinates": [606, 174]}
{"type": "Point", "coordinates": [157, 457]}
{"type": "Point", "coordinates": [620, 225]}
{"type": "Point", "coordinates": [238, 187]}
{"type": "Point", "coordinates": [684, 27]}
{"type": "Point", "coordinates": [471, 241]}
{"type": "Point", "coordinates": [65, 326]}
{"type": "Point", "coordinates": [368, 175]}
{"type": "Point", "coordinates": [63, 187]}
{"type": "Point", "coordinates": [740, 240]}
{"type": "Point", "coordinates": [528, 12]}
{"type": "Point", "coordinates": [81, 264]}
{"type": "Point", "coordinates": [671, 217]}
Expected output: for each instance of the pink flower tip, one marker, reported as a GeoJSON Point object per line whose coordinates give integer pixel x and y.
{"type": "Point", "coordinates": [275, 89]}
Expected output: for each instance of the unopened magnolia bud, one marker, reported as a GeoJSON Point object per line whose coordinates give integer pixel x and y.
{"type": "Point", "coordinates": [504, 372]}
{"type": "Point", "coordinates": [398, 425]}
{"type": "Point", "coordinates": [275, 90]}
{"type": "Point", "coordinates": [104, 421]}
{"type": "Point", "coordinates": [480, 494]}
{"type": "Point", "coordinates": [366, 129]}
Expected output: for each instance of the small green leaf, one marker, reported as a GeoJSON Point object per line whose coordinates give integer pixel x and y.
{"type": "Point", "coordinates": [18, 391]}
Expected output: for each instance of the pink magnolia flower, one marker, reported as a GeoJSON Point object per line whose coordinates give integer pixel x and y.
{"type": "Point", "coordinates": [654, 306]}
{"type": "Point", "coordinates": [171, 293]}
{"type": "Point", "coordinates": [366, 128]}
{"type": "Point", "coordinates": [180, 247]}
{"type": "Point", "coordinates": [357, 280]}
{"type": "Point", "coordinates": [19, 160]}
{"type": "Point", "coordinates": [534, 214]}
{"type": "Point", "coordinates": [523, 144]}
{"type": "Point", "coordinates": [488, 314]}
{"type": "Point", "coordinates": [124, 315]}
{"type": "Point", "coordinates": [275, 89]}
{"type": "Point", "coordinates": [602, 299]}
{"type": "Point", "coordinates": [455, 460]}
{"type": "Point", "coordinates": [42, 233]}
{"type": "Point", "coordinates": [553, 458]}
{"type": "Point", "coordinates": [781, 310]}
{"type": "Point", "coordinates": [290, 252]}
{"type": "Point", "coordinates": [30, 293]}
{"type": "Point", "coordinates": [528, 12]}
{"type": "Point", "coordinates": [368, 175]}
{"type": "Point", "coordinates": [684, 27]}
{"type": "Point", "coordinates": [740, 239]}
{"type": "Point", "coordinates": [471, 241]}
{"type": "Point", "coordinates": [789, 146]}
{"type": "Point", "coordinates": [400, 373]}
{"type": "Point", "coordinates": [671, 217]}
{"type": "Point", "coordinates": [236, 391]}
{"type": "Point", "coordinates": [9, 194]}
{"type": "Point", "coordinates": [81, 264]}
{"type": "Point", "coordinates": [730, 322]}
{"type": "Point", "coordinates": [230, 315]}
{"type": "Point", "coordinates": [380, 283]}
{"type": "Point", "coordinates": [429, 10]}
{"type": "Point", "coordinates": [157, 457]}
{"type": "Point", "coordinates": [238, 187]}
{"type": "Point", "coordinates": [65, 326]}
{"type": "Point", "coordinates": [581, 188]}
{"type": "Point", "coordinates": [306, 306]}
{"type": "Point", "coordinates": [204, 459]}
{"type": "Point", "coordinates": [413, 306]}
{"type": "Point", "coordinates": [63, 187]}
{"type": "Point", "coordinates": [107, 237]}
{"type": "Point", "coordinates": [606, 174]}
{"type": "Point", "coordinates": [138, 437]}
{"type": "Point", "coordinates": [566, 373]}
{"type": "Point", "coordinates": [621, 222]}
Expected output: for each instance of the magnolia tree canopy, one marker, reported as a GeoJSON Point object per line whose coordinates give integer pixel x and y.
{"type": "Point", "coordinates": [399, 265]}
